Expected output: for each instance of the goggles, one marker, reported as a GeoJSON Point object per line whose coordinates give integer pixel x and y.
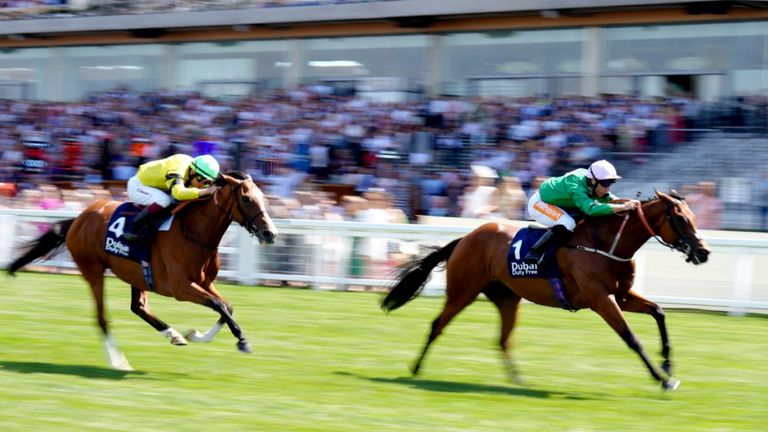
{"type": "Point", "coordinates": [200, 179]}
{"type": "Point", "coordinates": [606, 183]}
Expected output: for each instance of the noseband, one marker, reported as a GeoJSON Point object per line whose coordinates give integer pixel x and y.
{"type": "Point", "coordinates": [681, 244]}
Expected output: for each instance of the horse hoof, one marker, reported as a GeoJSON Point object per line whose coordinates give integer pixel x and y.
{"type": "Point", "coordinates": [121, 365]}
{"type": "Point", "coordinates": [671, 384]}
{"type": "Point", "coordinates": [178, 340]}
{"type": "Point", "coordinates": [193, 335]}
{"type": "Point", "coordinates": [244, 347]}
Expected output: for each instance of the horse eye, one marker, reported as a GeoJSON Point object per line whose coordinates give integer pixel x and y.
{"type": "Point", "coordinates": [246, 200]}
{"type": "Point", "coordinates": [680, 220]}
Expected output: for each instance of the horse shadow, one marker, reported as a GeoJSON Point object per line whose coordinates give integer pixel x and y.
{"type": "Point", "coordinates": [462, 387]}
{"type": "Point", "coordinates": [84, 371]}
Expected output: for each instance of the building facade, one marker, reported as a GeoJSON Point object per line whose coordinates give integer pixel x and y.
{"type": "Point", "coordinates": [654, 50]}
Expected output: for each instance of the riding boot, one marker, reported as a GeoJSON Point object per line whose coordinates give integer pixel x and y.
{"type": "Point", "coordinates": [145, 222]}
{"type": "Point", "coordinates": [536, 252]}
{"type": "Point", "coordinates": [557, 234]}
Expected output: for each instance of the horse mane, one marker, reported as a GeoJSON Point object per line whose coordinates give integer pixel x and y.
{"type": "Point", "coordinates": [673, 193]}
{"type": "Point", "coordinates": [236, 174]}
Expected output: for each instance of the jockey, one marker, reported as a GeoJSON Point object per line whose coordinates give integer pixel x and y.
{"type": "Point", "coordinates": [584, 189]}
{"type": "Point", "coordinates": [178, 176]}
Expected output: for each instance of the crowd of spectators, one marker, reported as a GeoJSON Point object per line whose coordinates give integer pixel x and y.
{"type": "Point", "coordinates": [419, 152]}
{"type": "Point", "coordinates": [314, 153]}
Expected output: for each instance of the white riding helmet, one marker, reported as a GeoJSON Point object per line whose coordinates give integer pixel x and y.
{"type": "Point", "coordinates": [602, 170]}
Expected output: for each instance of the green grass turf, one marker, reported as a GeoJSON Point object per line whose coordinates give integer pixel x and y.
{"type": "Point", "coordinates": [332, 361]}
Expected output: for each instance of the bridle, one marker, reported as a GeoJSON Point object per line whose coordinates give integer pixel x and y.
{"type": "Point", "coordinates": [681, 244]}
{"type": "Point", "coordinates": [248, 224]}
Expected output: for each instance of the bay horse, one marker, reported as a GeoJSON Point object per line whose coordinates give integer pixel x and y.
{"type": "Point", "coordinates": [184, 259]}
{"type": "Point", "coordinates": [596, 268]}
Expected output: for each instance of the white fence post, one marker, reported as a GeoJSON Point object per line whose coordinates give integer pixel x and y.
{"type": "Point", "coordinates": [7, 235]}
{"type": "Point", "coordinates": [246, 259]}
{"type": "Point", "coordinates": [742, 282]}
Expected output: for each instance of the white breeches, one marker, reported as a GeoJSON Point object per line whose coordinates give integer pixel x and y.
{"type": "Point", "coordinates": [146, 195]}
{"type": "Point", "coordinates": [549, 214]}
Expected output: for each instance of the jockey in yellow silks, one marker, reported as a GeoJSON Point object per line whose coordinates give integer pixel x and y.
{"type": "Point", "coordinates": [179, 176]}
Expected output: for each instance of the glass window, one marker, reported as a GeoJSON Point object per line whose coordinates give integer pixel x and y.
{"type": "Point", "coordinates": [24, 72]}
{"type": "Point", "coordinates": [254, 64]}
{"type": "Point", "coordinates": [357, 58]}
{"type": "Point", "coordinates": [88, 69]}
{"type": "Point", "coordinates": [499, 54]}
{"type": "Point", "coordinates": [736, 49]}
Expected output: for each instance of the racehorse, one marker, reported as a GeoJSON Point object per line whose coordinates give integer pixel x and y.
{"type": "Point", "coordinates": [184, 259]}
{"type": "Point", "coordinates": [596, 267]}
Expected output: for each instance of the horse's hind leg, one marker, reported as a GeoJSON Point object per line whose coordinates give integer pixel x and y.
{"type": "Point", "coordinates": [140, 306]}
{"type": "Point", "coordinates": [453, 305]}
{"type": "Point", "coordinates": [608, 308]}
{"type": "Point", "coordinates": [633, 302]}
{"type": "Point", "coordinates": [508, 304]}
{"type": "Point", "coordinates": [93, 273]}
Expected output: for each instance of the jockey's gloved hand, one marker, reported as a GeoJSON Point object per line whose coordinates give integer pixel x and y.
{"type": "Point", "coordinates": [208, 191]}
{"type": "Point", "coordinates": [627, 206]}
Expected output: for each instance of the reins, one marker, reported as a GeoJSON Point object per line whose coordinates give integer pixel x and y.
{"type": "Point", "coordinates": [644, 220]}
{"type": "Point", "coordinates": [610, 254]}
{"type": "Point", "coordinates": [195, 239]}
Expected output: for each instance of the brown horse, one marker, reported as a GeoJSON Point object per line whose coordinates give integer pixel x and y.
{"type": "Point", "coordinates": [596, 267]}
{"type": "Point", "coordinates": [184, 259]}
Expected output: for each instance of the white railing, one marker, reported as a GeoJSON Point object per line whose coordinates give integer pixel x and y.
{"type": "Point", "coordinates": [352, 255]}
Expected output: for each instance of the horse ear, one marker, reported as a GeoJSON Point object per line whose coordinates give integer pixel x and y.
{"type": "Point", "coordinates": [221, 180]}
{"type": "Point", "coordinates": [674, 194]}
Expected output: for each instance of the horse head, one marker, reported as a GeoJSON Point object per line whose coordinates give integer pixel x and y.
{"type": "Point", "coordinates": [246, 205]}
{"type": "Point", "coordinates": [678, 229]}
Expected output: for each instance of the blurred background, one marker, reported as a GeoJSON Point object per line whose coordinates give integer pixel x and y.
{"type": "Point", "coordinates": [391, 111]}
{"type": "Point", "coordinates": [345, 96]}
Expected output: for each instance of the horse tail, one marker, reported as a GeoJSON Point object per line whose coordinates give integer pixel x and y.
{"type": "Point", "coordinates": [49, 243]}
{"type": "Point", "coordinates": [414, 275]}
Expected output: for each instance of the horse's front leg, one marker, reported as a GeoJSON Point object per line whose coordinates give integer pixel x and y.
{"type": "Point", "coordinates": [633, 302]}
{"type": "Point", "coordinates": [210, 298]}
{"type": "Point", "coordinates": [193, 335]}
{"type": "Point", "coordinates": [140, 306]}
{"type": "Point", "coordinates": [608, 308]}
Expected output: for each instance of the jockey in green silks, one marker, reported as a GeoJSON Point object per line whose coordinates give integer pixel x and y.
{"type": "Point", "coordinates": [584, 189]}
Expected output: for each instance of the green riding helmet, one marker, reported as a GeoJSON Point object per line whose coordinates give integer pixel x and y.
{"type": "Point", "coordinates": [206, 166]}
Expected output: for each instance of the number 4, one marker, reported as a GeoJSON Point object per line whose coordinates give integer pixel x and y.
{"type": "Point", "coordinates": [117, 227]}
